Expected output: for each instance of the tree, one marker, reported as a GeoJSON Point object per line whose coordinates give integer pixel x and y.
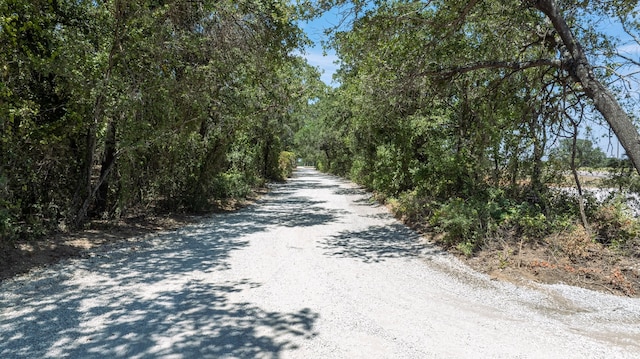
{"type": "Point", "coordinates": [516, 28]}
{"type": "Point", "coordinates": [575, 61]}
{"type": "Point", "coordinates": [587, 155]}
{"type": "Point", "coordinates": [443, 133]}
{"type": "Point", "coordinates": [117, 105]}
{"type": "Point", "coordinates": [451, 107]}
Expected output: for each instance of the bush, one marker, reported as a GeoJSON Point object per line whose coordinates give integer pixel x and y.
{"type": "Point", "coordinates": [467, 224]}
{"type": "Point", "coordinates": [614, 224]}
{"type": "Point", "coordinates": [286, 164]}
{"type": "Point", "coordinates": [8, 229]}
{"type": "Point", "coordinates": [623, 175]}
{"type": "Point", "coordinates": [460, 221]}
{"type": "Point", "coordinates": [233, 184]}
{"type": "Point", "coordinates": [492, 215]}
{"type": "Point", "coordinates": [411, 206]}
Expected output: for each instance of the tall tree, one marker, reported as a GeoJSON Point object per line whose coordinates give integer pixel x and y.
{"type": "Point", "coordinates": [521, 26]}
{"type": "Point", "coordinates": [575, 61]}
{"type": "Point", "coordinates": [112, 105]}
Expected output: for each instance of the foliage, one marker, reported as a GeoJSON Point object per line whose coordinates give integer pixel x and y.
{"type": "Point", "coordinates": [622, 175]}
{"type": "Point", "coordinates": [615, 225]}
{"type": "Point", "coordinates": [451, 109]}
{"type": "Point", "coordinates": [7, 227]}
{"type": "Point", "coordinates": [286, 164]}
{"type": "Point", "coordinates": [468, 224]}
{"type": "Point", "coordinates": [587, 155]}
{"type": "Point", "coordinates": [107, 107]}
{"type": "Point", "coordinates": [448, 107]}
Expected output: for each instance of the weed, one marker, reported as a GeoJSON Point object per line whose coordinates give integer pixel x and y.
{"type": "Point", "coordinates": [467, 248]}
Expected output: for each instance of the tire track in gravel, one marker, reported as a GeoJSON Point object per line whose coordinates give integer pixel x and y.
{"type": "Point", "coordinates": [313, 270]}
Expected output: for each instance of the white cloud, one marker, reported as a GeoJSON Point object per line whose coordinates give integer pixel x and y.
{"type": "Point", "coordinates": [326, 63]}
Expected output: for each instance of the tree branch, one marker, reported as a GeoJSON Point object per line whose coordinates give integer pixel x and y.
{"type": "Point", "coordinates": [582, 71]}
{"type": "Point", "coordinates": [483, 65]}
{"type": "Point", "coordinates": [626, 29]}
{"type": "Point", "coordinates": [628, 59]}
{"type": "Point", "coordinates": [463, 14]}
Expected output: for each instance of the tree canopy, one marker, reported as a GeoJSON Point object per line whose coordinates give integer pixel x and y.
{"type": "Point", "coordinates": [115, 105]}
{"type": "Point", "coordinates": [454, 106]}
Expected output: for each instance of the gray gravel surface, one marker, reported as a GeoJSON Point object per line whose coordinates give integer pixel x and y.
{"type": "Point", "coordinates": [313, 270]}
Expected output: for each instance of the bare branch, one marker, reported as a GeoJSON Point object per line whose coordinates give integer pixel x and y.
{"type": "Point", "coordinates": [635, 37]}
{"type": "Point", "coordinates": [582, 71]}
{"type": "Point", "coordinates": [627, 58]}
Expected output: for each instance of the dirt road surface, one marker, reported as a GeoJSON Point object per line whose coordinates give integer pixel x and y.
{"type": "Point", "coordinates": [315, 269]}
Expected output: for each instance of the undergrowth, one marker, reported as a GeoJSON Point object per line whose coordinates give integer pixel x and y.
{"type": "Point", "coordinates": [543, 239]}
{"type": "Point", "coordinates": [468, 224]}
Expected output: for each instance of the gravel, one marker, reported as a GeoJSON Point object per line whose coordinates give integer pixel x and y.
{"type": "Point", "coordinates": [315, 269]}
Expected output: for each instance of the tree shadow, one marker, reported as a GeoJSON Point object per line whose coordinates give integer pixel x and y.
{"type": "Point", "coordinates": [352, 192]}
{"type": "Point", "coordinates": [295, 211]}
{"type": "Point", "coordinates": [194, 319]}
{"type": "Point", "coordinates": [157, 296]}
{"type": "Point", "coordinates": [377, 244]}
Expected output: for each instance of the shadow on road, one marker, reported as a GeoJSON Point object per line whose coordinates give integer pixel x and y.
{"type": "Point", "coordinates": [165, 296]}
{"type": "Point", "coordinates": [296, 211]}
{"type": "Point", "coordinates": [155, 297]}
{"type": "Point", "coordinates": [376, 244]}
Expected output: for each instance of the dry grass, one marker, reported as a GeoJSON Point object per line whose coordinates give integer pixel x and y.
{"type": "Point", "coordinates": [571, 257]}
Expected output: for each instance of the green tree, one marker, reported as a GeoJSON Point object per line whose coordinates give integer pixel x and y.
{"type": "Point", "coordinates": [586, 154]}
{"type": "Point", "coordinates": [452, 106]}
{"type": "Point", "coordinates": [517, 35]}
{"type": "Point", "coordinates": [115, 105]}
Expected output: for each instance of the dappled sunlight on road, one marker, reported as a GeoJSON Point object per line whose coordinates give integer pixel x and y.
{"type": "Point", "coordinates": [157, 298]}
{"type": "Point", "coordinates": [314, 269]}
{"type": "Point", "coordinates": [375, 243]}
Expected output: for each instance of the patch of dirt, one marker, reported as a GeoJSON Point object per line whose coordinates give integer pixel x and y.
{"type": "Point", "coordinates": [569, 258]}
{"type": "Point", "coordinates": [21, 256]}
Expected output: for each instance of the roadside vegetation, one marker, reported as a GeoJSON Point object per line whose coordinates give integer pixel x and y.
{"type": "Point", "coordinates": [469, 120]}
{"type": "Point", "coordinates": [117, 108]}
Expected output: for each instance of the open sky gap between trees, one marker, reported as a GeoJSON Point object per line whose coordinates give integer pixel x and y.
{"type": "Point", "coordinates": [465, 116]}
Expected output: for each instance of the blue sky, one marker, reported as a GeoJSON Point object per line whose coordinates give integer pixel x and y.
{"type": "Point", "coordinates": [316, 55]}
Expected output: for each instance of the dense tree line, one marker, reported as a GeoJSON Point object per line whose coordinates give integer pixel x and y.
{"type": "Point", "coordinates": [463, 114]}
{"type": "Point", "coordinates": [451, 109]}
{"type": "Point", "coordinates": [108, 106]}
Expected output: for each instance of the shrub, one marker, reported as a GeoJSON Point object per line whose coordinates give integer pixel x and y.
{"type": "Point", "coordinates": [286, 164]}
{"type": "Point", "coordinates": [412, 207]}
{"type": "Point", "coordinates": [614, 224]}
{"type": "Point", "coordinates": [7, 226]}
{"type": "Point", "coordinates": [232, 185]}
{"type": "Point", "coordinates": [460, 221]}
{"type": "Point", "coordinates": [467, 224]}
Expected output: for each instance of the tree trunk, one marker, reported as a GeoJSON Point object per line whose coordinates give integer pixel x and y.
{"type": "Point", "coordinates": [86, 190]}
{"type": "Point", "coordinates": [108, 161]}
{"type": "Point", "coordinates": [539, 141]}
{"type": "Point", "coordinates": [576, 178]}
{"type": "Point", "coordinates": [83, 194]}
{"type": "Point", "coordinates": [266, 172]}
{"type": "Point", "coordinates": [604, 101]}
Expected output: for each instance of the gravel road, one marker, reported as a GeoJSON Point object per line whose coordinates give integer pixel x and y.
{"type": "Point", "coordinates": [315, 269]}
